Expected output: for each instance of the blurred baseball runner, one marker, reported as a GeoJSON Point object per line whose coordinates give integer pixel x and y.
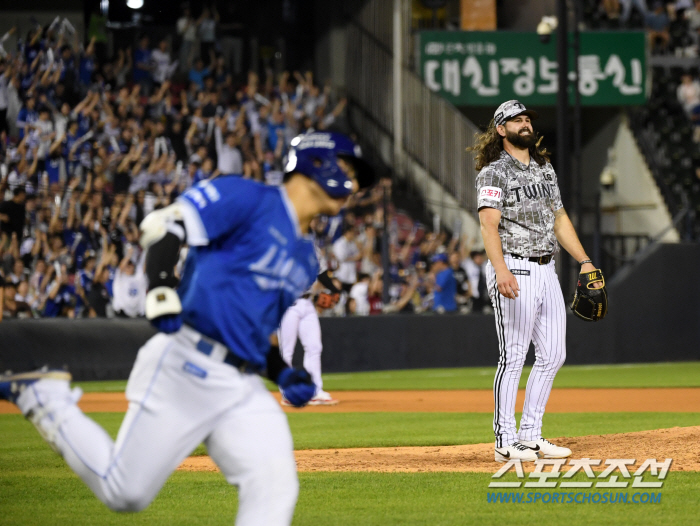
{"type": "Point", "coordinates": [522, 223]}
{"type": "Point", "coordinates": [197, 380]}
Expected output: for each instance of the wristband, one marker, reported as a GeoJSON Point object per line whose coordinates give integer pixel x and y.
{"type": "Point", "coordinates": [275, 363]}
{"type": "Point", "coordinates": [585, 261]}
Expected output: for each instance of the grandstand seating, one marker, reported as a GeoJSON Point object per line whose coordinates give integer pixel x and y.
{"type": "Point", "coordinates": [663, 130]}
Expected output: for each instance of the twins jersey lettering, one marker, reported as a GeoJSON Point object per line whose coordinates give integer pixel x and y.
{"type": "Point", "coordinates": [527, 197]}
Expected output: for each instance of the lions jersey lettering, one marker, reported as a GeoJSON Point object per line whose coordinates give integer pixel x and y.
{"type": "Point", "coordinates": [275, 270]}
{"type": "Point", "coordinates": [241, 271]}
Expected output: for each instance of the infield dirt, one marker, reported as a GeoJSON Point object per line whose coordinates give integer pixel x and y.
{"type": "Point", "coordinates": [461, 401]}
{"type": "Point", "coordinates": [679, 443]}
{"type": "Point", "coordinates": [682, 444]}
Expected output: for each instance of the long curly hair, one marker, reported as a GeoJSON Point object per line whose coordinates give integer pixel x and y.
{"type": "Point", "coordinates": [489, 145]}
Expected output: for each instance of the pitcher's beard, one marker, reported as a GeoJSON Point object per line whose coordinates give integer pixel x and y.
{"type": "Point", "coordinates": [521, 141]}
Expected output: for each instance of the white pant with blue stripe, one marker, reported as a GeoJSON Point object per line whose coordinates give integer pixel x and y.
{"type": "Point", "coordinates": [178, 398]}
{"type": "Point", "coordinates": [537, 315]}
{"type": "Point", "coordinates": [301, 321]}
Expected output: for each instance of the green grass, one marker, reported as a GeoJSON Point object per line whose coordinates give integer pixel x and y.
{"type": "Point", "coordinates": [342, 430]}
{"type": "Point", "coordinates": [36, 487]}
{"type": "Point", "coordinates": [668, 374]}
{"type": "Point", "coordinates": [686, 374]}
{"type": "Point", "coordinates": [104, 386]}
{"type": "Point", "coordinates": [59, 497]}
{"type": "Point", "coordinates": [460, 498]}
{"type": "Point", "coordinates": [55, 496]}
{"type": "Point", "coordinates": [321, 431]}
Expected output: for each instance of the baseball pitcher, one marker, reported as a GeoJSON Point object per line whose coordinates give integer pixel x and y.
{"type": "Point", "coordinates": [523, 222]}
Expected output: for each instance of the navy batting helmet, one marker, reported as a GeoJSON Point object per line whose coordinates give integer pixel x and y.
{"type": "Point", "coordinates": [316, 155]}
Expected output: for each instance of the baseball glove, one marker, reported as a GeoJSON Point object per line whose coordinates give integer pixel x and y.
{"type": "Point", "coordinates": [327, 299]}
{"type": "Point", "coordinates": [590, 304]}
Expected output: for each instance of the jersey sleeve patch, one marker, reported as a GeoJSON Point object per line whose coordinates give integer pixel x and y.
{"type": "Point", "coordinates": [196, 233]}
{"type": "Point", "coordinates": [220, 205]}
{"type": "Point", "coordinates": [491, 193]}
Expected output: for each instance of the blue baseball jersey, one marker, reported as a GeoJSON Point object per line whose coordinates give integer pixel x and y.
{"type": "Point", "coordinates": [445, 297]}
{"type": "Point", "coordinates": [87, 66]}
{"type": "Point", "coordinates": [84, 123]}
{"type": "Point", "coordinates": [248, 262]}
{"type": "Point", "coordinates": [53, 168]}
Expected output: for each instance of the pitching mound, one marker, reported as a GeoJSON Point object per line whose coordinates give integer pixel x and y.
{"type": "Point", "coordinates": [682, 444]}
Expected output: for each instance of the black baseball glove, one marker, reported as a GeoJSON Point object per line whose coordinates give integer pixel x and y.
{"type": "Point", "coordinates": [590, 304]}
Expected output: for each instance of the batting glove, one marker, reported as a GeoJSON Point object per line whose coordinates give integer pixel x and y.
{"type": "Point", "coordinates": [297, 386]}
{"type": "Point", "coordinates": [168, 324]}
{"type": "Point", "coordinates": [163, 309]}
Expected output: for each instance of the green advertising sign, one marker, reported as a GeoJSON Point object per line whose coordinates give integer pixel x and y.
{"type": "Point", "coordinates": [485, 68]}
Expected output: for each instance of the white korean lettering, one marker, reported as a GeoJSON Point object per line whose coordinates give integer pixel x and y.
{"type": "Point", "coordinates": [472, 68]}
{"type": "Point", "coordinates": [434, 48]}
{"type": "Point", "coordinates": [613, 464]}
{"type": "Point", "coordinates": [589, 74]}
{"type": "Point", "coordinates": [525, 84]}
{"type": "Point", "coordinates": [451, 80]}
{"type": "Point", "coordinates": [429, 74]}
{"type": "Point", "coordinates": [513, 463]}
{"type": "Point", "coordinates": [544, 475]}
{"type": "Point", "coordinates": [548, 72]}
{"type": "Point", "coordinates": [654, 467]}
{"type": "Point", "coordinates": [576, 466]}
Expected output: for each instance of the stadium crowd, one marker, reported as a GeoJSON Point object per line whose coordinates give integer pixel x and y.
{"type": "Point", "coordinates": [89, 146]}
{"type": "Point", "coordinates": [671, 26]}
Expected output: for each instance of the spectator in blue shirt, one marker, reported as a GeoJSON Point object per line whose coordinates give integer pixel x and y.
{"type": "Point", "coordinates": [68, 75]}
{"type": "Point", "coordinates": [627, 5]}
{"type": "Point", "coordinates": [83, 282]}
{"type": "Point", "coordinates": [27, 116]}
{"type": "Point", "coordinates": [143, 66]}
{"type": "Point", "coordinates": [445, 287]}
{"type": "Point", "coordinates": [204, 171]}
{"type": "Point", "coordinates": [658, 24]}
{"type": "Point", "coordinates": [87, 65]}
{"type": "Point", "coordinates": [276, 128]}
{"type": "Point", "coordinates": [26, 79]}
{"type": "Point", "coordinates": [198, 72]}
{"type": "Point", "coordinates": [60, 301]}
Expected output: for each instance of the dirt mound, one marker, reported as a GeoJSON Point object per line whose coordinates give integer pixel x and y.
{"type": "Point", "coordinates": [682, 444]}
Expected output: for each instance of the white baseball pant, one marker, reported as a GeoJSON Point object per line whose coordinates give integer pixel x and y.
{"type": "Point", "coordinates": [538, 314]}
{"type": "Point", "coordinates": [301, 321]}
{"type": "Point", "coordinates": [178, 398]}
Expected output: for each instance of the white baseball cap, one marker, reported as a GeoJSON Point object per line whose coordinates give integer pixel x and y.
{"type": "Point", "coordinates": [510, 109]}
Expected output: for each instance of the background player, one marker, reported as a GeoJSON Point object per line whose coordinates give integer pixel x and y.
{"type": "Point", "coordinates": [249, 258]}
{"type": "Point", "coordinates": [522, 219]}
{"type": "Point", "coordinates": [301, 321]}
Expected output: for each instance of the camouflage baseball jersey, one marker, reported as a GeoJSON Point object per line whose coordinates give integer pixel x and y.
{"type": "Point", "coordinates": [527, 197]}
